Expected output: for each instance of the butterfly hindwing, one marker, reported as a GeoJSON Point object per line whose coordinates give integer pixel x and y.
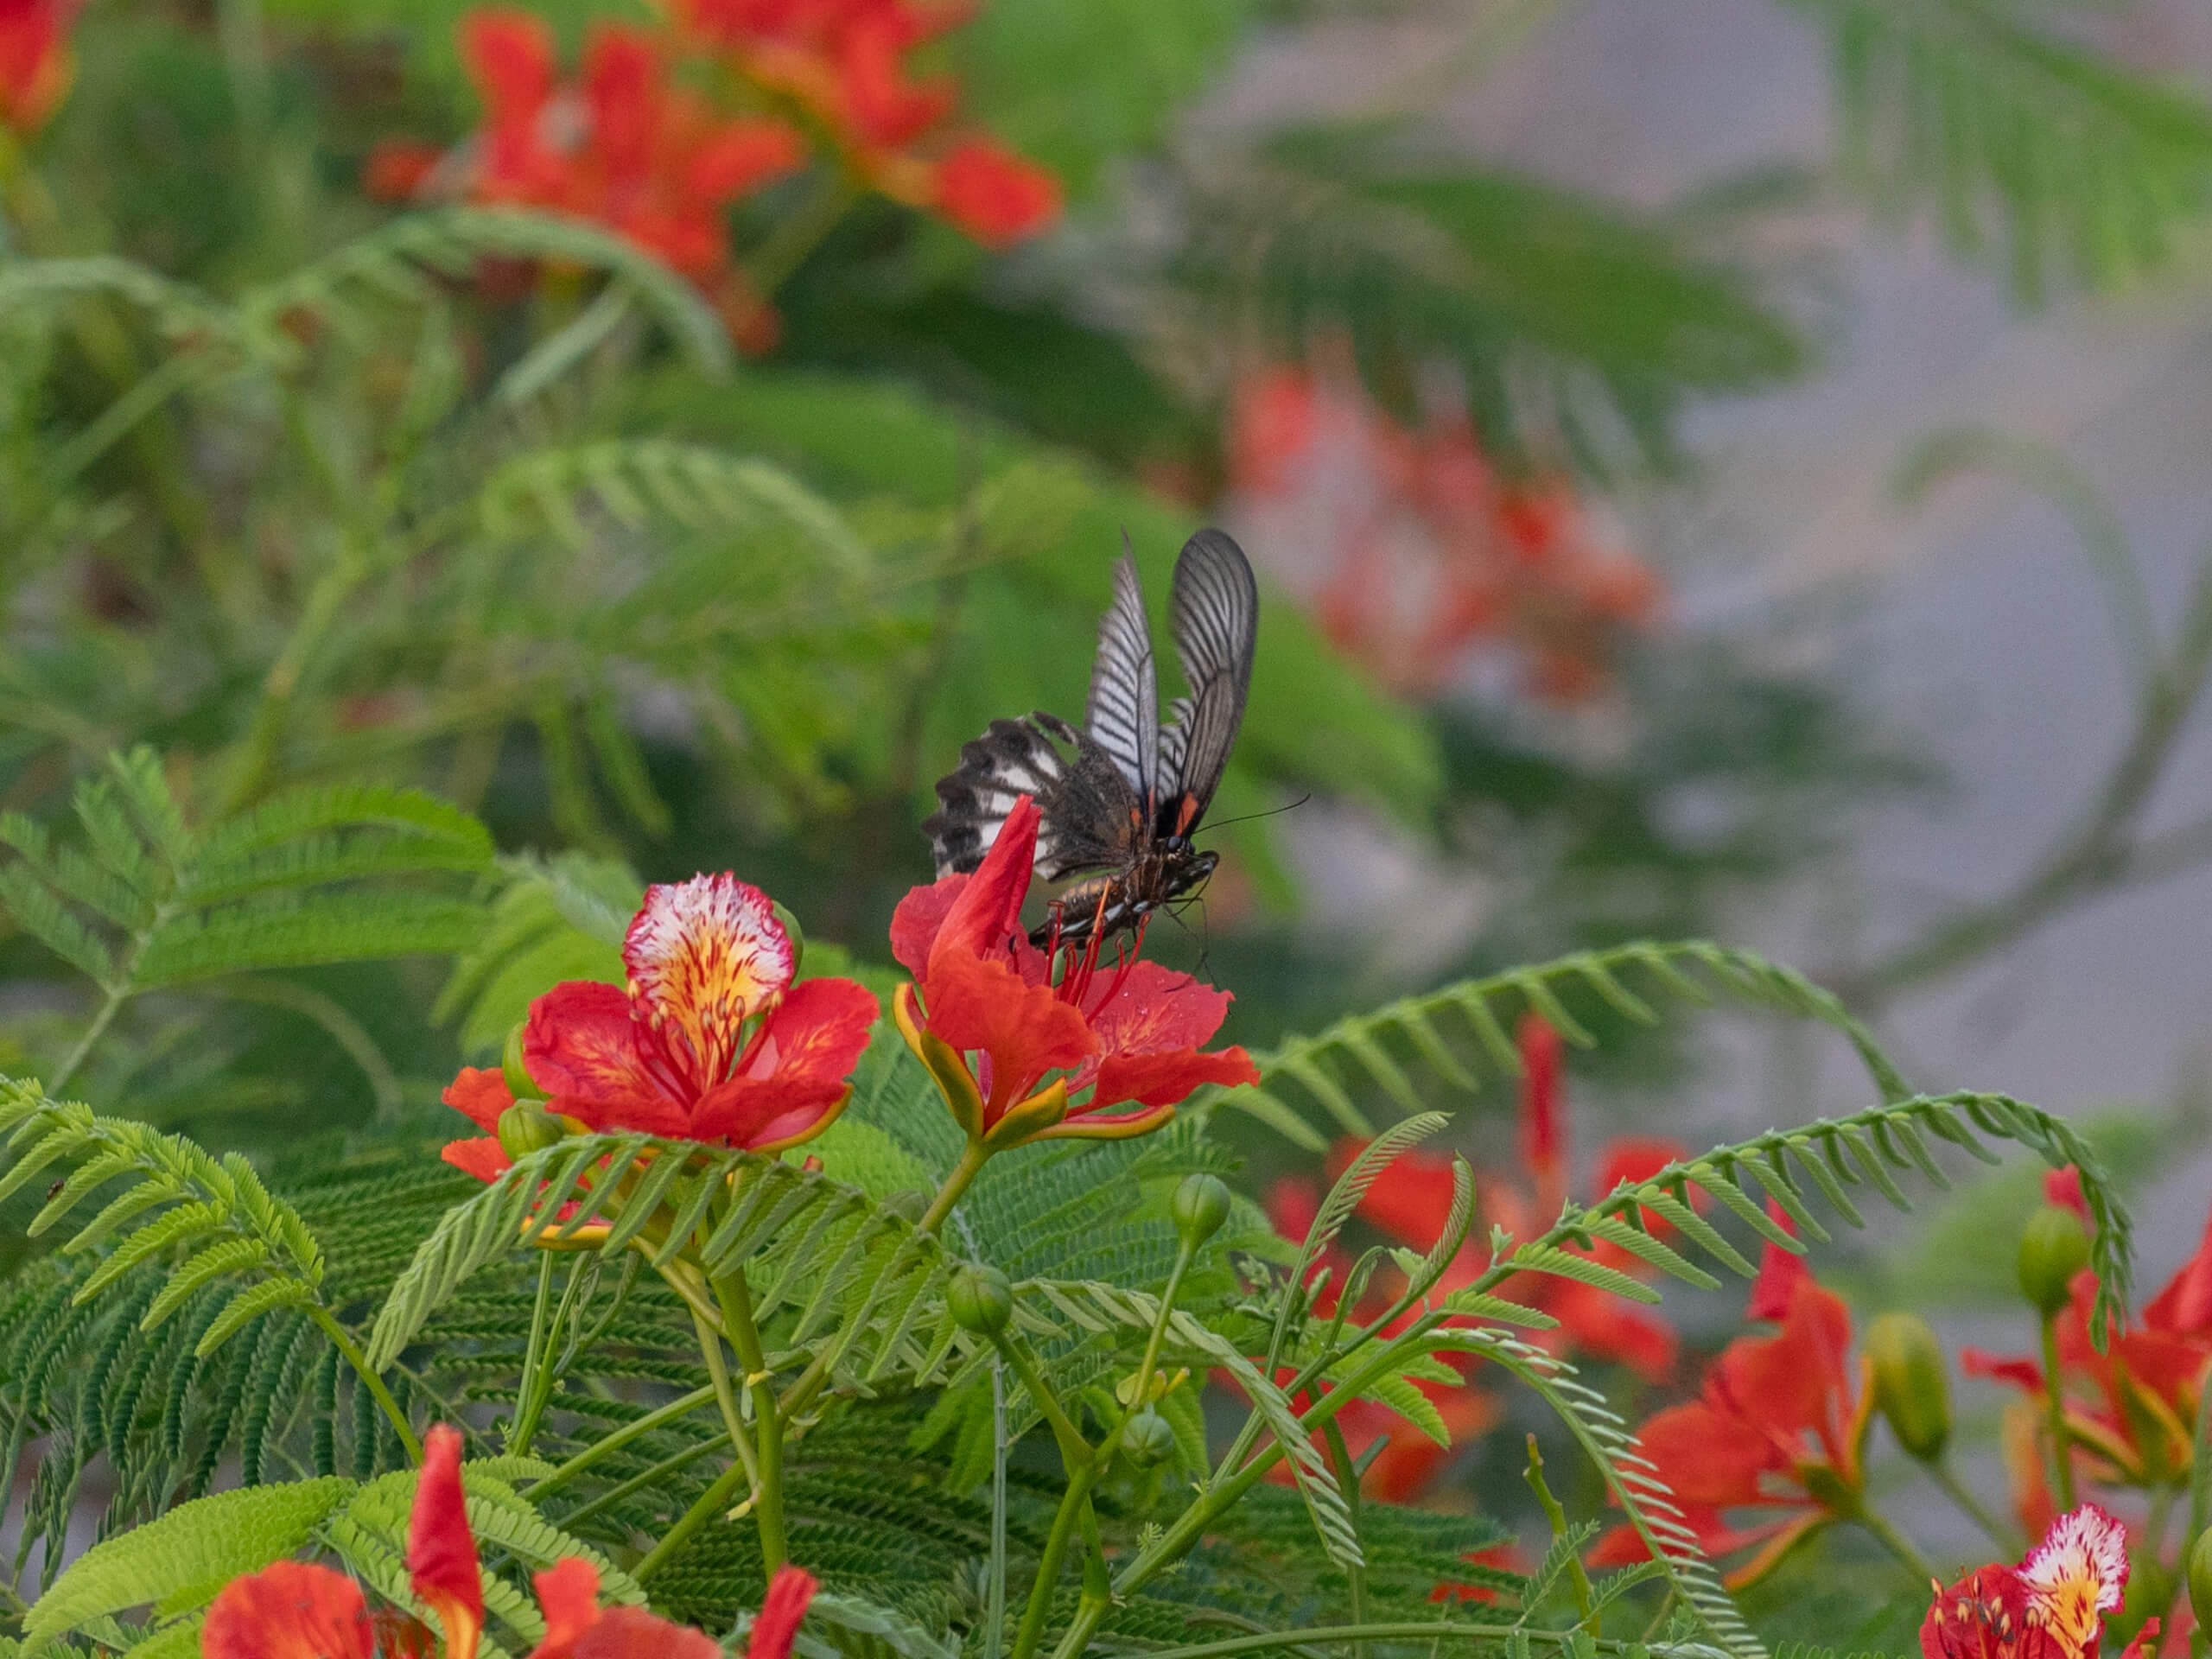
{"type": "Point", "coordinates": [1215, 612]}
{"type": "Point", "coordinates": [1011, 760]}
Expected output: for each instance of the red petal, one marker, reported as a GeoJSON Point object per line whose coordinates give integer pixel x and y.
{"type": "Point", "coordinates": [920, 914]}
{"type": "Point", "coordinates": [1412, 1197]}
{"type": "Point", "coordinates": [567, 1594]}
{"type": "Point", "coordinates": [1706, 1456]}
{"type": "Point", "coordinates": [788, 1592]}
{"type": "Point", "coordinates": [581, 1046]}
{"type": "Point", "coordinates": [395, 168]}
{"type": "Point", "coordinates": [740, 156]}
{"type": "Point", "coordinates": [509, 56]}
{"type": "Point", "coordinates": [633, 1633]}
{"type": "Point", "coordinates": [1600, 1324]}
{"type": "Point", "coordinates": [2184, 1306]}
{"type": "Point", "coordinates": [621, 77]}
{"type": "Point", "coordinates": [1154, 1009]}
{"type": "Point", "coordinates": [1164, 1079]}
{"type": "Point", "coordinates": [482, 1157]}
{"type": "Point", "coordinates": [1780, 1274]}
{"type": "Point", "coordinates": [1294, 1203]}
{"type": "Point", "coordinates": [2021, 1373]}
{"type": "Point", "coordinates": [289, 1611]}
{"type": "Point", "coordinates": [1797, 1379]}
{"type": "Point", "coordinates": [479, 1094]}
{"type": "Point", "coordinates": [2063, 1188]}
{"type": "Point", "coordinates": [1543, 1125]}
{"type": "Point", "coordinates": [994, 196]}
{"type": "Point", "coordinates": [972, 1003]}
{"type": "Point", "coordinates": [986, 912]}
{"type": "Point", "coordinates": [440, 1553]}
{"type": "Point", "coordinates": [1983, 1615]}
{"type": "Point", "coordinates": [797, 1069]}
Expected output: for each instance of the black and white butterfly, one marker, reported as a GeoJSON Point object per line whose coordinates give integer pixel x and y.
{"type": "Point", "coordinates": [1122, 809]}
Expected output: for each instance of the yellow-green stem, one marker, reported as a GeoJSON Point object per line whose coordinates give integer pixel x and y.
{"type": "Point", "coordinates": [621, 1438]}
{"type": "Point", "coordinates": [711, 1502]}
{"type": "Point", "coordinates": [971, 1161]}
{"type": "Point", "coordinates": [2055, 1404]}
{"type": "Point", "coordinates": [710, 1349]}
{"type": "Point", "coordinates": [736, 1300]}
{"type": "Point", "coordinates": [352, 1356]}
{"type": "Point", "coordinates": [529, 1397]}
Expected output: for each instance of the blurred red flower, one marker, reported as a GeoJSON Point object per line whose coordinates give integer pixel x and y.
{"type": "Point", "coordinates": [1128, 1034]}
{"type": "Point", "coordinates": [1780, 1426]}
{"type": "Point", "coordinates": [35, 59]}
{"type": "Point", "coordinates": [994, 195]}
{"type": "Point", "coordinates": [1418, 551]}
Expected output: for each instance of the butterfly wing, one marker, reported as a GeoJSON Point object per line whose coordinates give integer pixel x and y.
{"type": "Point", "coordinates": [1215, 609]}
{"type": "Point", "coordinates": [1087, 809]}
{"type": "Point", "coordinates": [1122, 716]}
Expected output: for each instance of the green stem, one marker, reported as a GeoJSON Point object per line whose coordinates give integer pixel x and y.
{"type": "Point", "coordinates": [667, 1466]}
{"type": "Point", "coordinates": [710, 1349]}
{"type": "Point", "coordinates": [785, 249]}
{"type": "Point", "coordinates": [1941, 1473]}
{"type": "Point", "coordinates": [2055, 1402]}
{"type": "Point", "coordinates": [621, 1438]}
{"type": "Point", "coordinates": [1080, 1478]}
{"type": "Point", "coordinates": [1074, 1449]}
{"type": "Point", "coordinates": [711, 1502]}
{"type": "Point", "coordinates": [530, 1399]}
{"type": "Point", "coordinates": [118, 994]}
{"type": "Point", "coordinates": [956, 1184]}
{"type": "Point", "coordinates": [1555, 1515]}
{"type": "Point", "coordinates": [1340, 1463]}
{"type": "Point", "coordinates": [352, 1356]}
{"type": "Point", "coordinates": [271, 715]}
{"type": "Point", "coordinates": [736, 1300]}
{"type": "Point", "coordinates": [1895, 1542]}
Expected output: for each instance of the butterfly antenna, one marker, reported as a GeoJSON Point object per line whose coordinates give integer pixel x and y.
{"type": "Point", "coordinates": [1272, 812]}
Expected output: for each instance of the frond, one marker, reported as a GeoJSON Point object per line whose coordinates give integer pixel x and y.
{"type": "Point", "coordinates": [1379, 1046]}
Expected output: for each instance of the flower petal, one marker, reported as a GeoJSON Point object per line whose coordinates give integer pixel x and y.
{"type": "Point", "coordinates": [704, 956]}
{"type": "Point", "coordinates": [2184, 1306]}
{"type": "Point", "coordinates": [479, 1094]}
{"type": "Point", "coordinates": [2077, 1574]}
{"type": "Point", "coordinates": [796, 1071]}
{"type": "Point", "coordinates": [289, 1611]}
{"type": "Point", "coordinates": [1983, 1615]}
{"type": "Point", "coordinates": [1706, 1457]}
{"type": "Point", "coordinates": [1154, 1009]}
{"type": "Point", "coordinates": [440, 1553]}
{"type": "Point", "coordinates": [633, 1633]}
{"type": "Point", "coordinates": [581, 1047]}
{"type": "Point", "coordinates": [920, 914]}
{"type": "Point", "coordinates": [974, 1003]}
{"type": "Point", "coordinates": [567, 1594]}
{"type": "Point", "coordinates": [1166, 1079]}
{"type": "Point", "coordinates": [1797, 1379]}
{"type": "Point", "coordinates": [785, 1604]}
{"type": "Point", "coordinates": [986, 912]}
{"type": "Point", "coordinates": [481, 1156]}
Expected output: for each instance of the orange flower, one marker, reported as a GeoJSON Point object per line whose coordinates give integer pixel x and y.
{"type": "Point", "coordinates": [2050, 1606]}
{"type": "Point", "coordinates": [34, 62]}
{"type": "Point", "coordinates": [294, 1611]}
{"type": "Point", "coordinates": [1779, 1426]}
{"type": "Point", "coordinates": [994, 195]}
{"type": "Point", "coordinates": [1129, 1035]}
{"type": "Point", "coordinates": [711, 1041]}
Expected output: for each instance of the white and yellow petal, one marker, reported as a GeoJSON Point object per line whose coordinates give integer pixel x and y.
{"type": "Point", "coordinates": [705, 955]}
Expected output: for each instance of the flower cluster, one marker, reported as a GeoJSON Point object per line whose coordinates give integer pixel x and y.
{"type": "Point", "coordinates": [34, 61]}
{"type": "Point", "coordinates": [293, 1609]}
{"type": "Point", "coordinates": [2052, 1605]}
{"type": "Point", "coordinates": [1417, 549]}
{"type": "Point", "coordinates": [1027, 1043]}
{"type": "Point", "coordinates": [712, 1040]}
{"type": "Point", "coordinates": [634, 144]}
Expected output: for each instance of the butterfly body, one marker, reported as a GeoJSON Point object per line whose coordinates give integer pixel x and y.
{"type": "Point", "coordinates": [1119, 810]}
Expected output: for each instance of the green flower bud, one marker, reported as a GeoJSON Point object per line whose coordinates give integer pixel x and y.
{"type": "Point", "coordinates": [2053, 1248]}
{"type": "Point", "coordinates": [1148, 1438]}
{"type": "Point", "coordinates": [512, 1069]}
{"type": "Point", "coordinates": [2199, 1579]}
{"type": "Point", "coordinates": [1200, 1205]}
{"type": "Point", "coordinates": [2150, 1591]}
{"type": "Point", "coordinates": [526, 1126]}
{"type": "Point", "coordinates": [798, 939]}
{"type": "Point", "coordinates": [1911, 1390]}
{"type": "Point", "coordinates": [982, 1300]}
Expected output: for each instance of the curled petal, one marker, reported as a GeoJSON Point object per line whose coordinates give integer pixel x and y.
{"type": "Point", "coordinates": [479, 1094]}
{"type": "Point", "coordinates": [785, 1604]}
{"type": "Point", "coordinates": [481, 1156]}
{"type": "Point", "coordinates": [704, 956]}
{"type": "Point", "coordinates": [581, 1047]}
{"type": "Point", "coordinates": [440, 1553]}
{"type": "Point", "coordinates": [567, 1594]}
{"type": "Point", "coordinates": [986, 912]}
{"type": "Point", "coordinates": [289, 1611]}
{"type": "Point", "coordinates": [974, 1003]}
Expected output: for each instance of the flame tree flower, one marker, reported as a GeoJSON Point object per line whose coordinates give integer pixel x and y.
{"type": "Point", "coordinates": [712, 1040]}
{"type": "Point", "coordinates": [988, 1017]}
{"type": "Point", "coordinates": [2050, 1606]}
{"type": "Point", "coordinates": [34, 61]}
{"type": "Point", "coordinates": [294, 1609]}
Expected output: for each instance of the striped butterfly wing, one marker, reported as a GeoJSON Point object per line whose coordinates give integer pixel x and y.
{"type": "Point", "coordinates": [1215, 613]}
{"type": "Point", "coordinates": [1122, 715]}
{"type": "Point", "coordinates": [1088, 812]}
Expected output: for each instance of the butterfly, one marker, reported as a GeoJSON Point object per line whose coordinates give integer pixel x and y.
{"type": "Point", "coordinates": [1122, 809]}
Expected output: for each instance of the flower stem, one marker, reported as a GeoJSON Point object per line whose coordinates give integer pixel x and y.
{"type": "Point", "coordinates": [956, 1184]}
{"type": "Point", "coordinates": [529, 1399]}
{"type": "Point", "coordinates": [1895, 1542]}
{"type": "Point", "coordinates": [621, 1438]}
{"type": "Point", "coordinates": [351, 1354]}
{"type": "Point", "coordinates": [1942, 1473]}
{"type": "Point", "coordinates": [710, 1349]}
{"type": "Point", "coordinates": [710, 1503]}
{"type": "Point", "coordinates": [736, 1300]}
{"type": "Point", "coordinates": [2055, 1404]}
{"type": "Point", "coordinates": [1072, 1503]}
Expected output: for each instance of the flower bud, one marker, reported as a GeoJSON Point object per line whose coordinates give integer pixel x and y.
{"type": "Point", "coordinates": [982, 1300]}
{"type": "Point", "coordinates": [1911, 1390]}
{"type": "Point", "coordinates": [526, 1127]}
{"type": "Point", "coordinates": [1148, 1438]}
{"type": "Point", "coordinates": [1200, 1205]}
{"type": "Point", "coordinates": [2199, 1579]}
{"type": "Point", "coordinates": [2054, 1247]}
{"type": "Point", "coordinates": [512, 1069]}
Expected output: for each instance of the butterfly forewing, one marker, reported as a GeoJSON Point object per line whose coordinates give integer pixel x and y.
{"type": "Point", "coordinates": [1123, 717]}
{"type": "Point", "coordinates": [1215, 612]}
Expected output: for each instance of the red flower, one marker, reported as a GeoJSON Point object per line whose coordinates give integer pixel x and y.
{"type": "Point", "coordinates": [2129, 1410]}
{"type": "Point", "coordinates": [35, 64]}
{"type": "Point", "coordinates": [294, 1611]}
{"type": "Point", "coordinates": [510, 56]}
{"type": "Point", "coordinates": [1130, 1035]}
{"type": "Point", "coordinates": [1780, 1426]}
{"type": "Point", "coordinates": [394, 171]}
{"type": "Point", "coordinates": [711, 1041]}
{"type": "Point", "coordinates": [2050, 1606]}
{"type": "Point", "coordinates": [994, 195]}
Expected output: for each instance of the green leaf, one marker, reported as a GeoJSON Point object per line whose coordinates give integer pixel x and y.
{"type": "Point", "coordinates": [179, 1560]}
